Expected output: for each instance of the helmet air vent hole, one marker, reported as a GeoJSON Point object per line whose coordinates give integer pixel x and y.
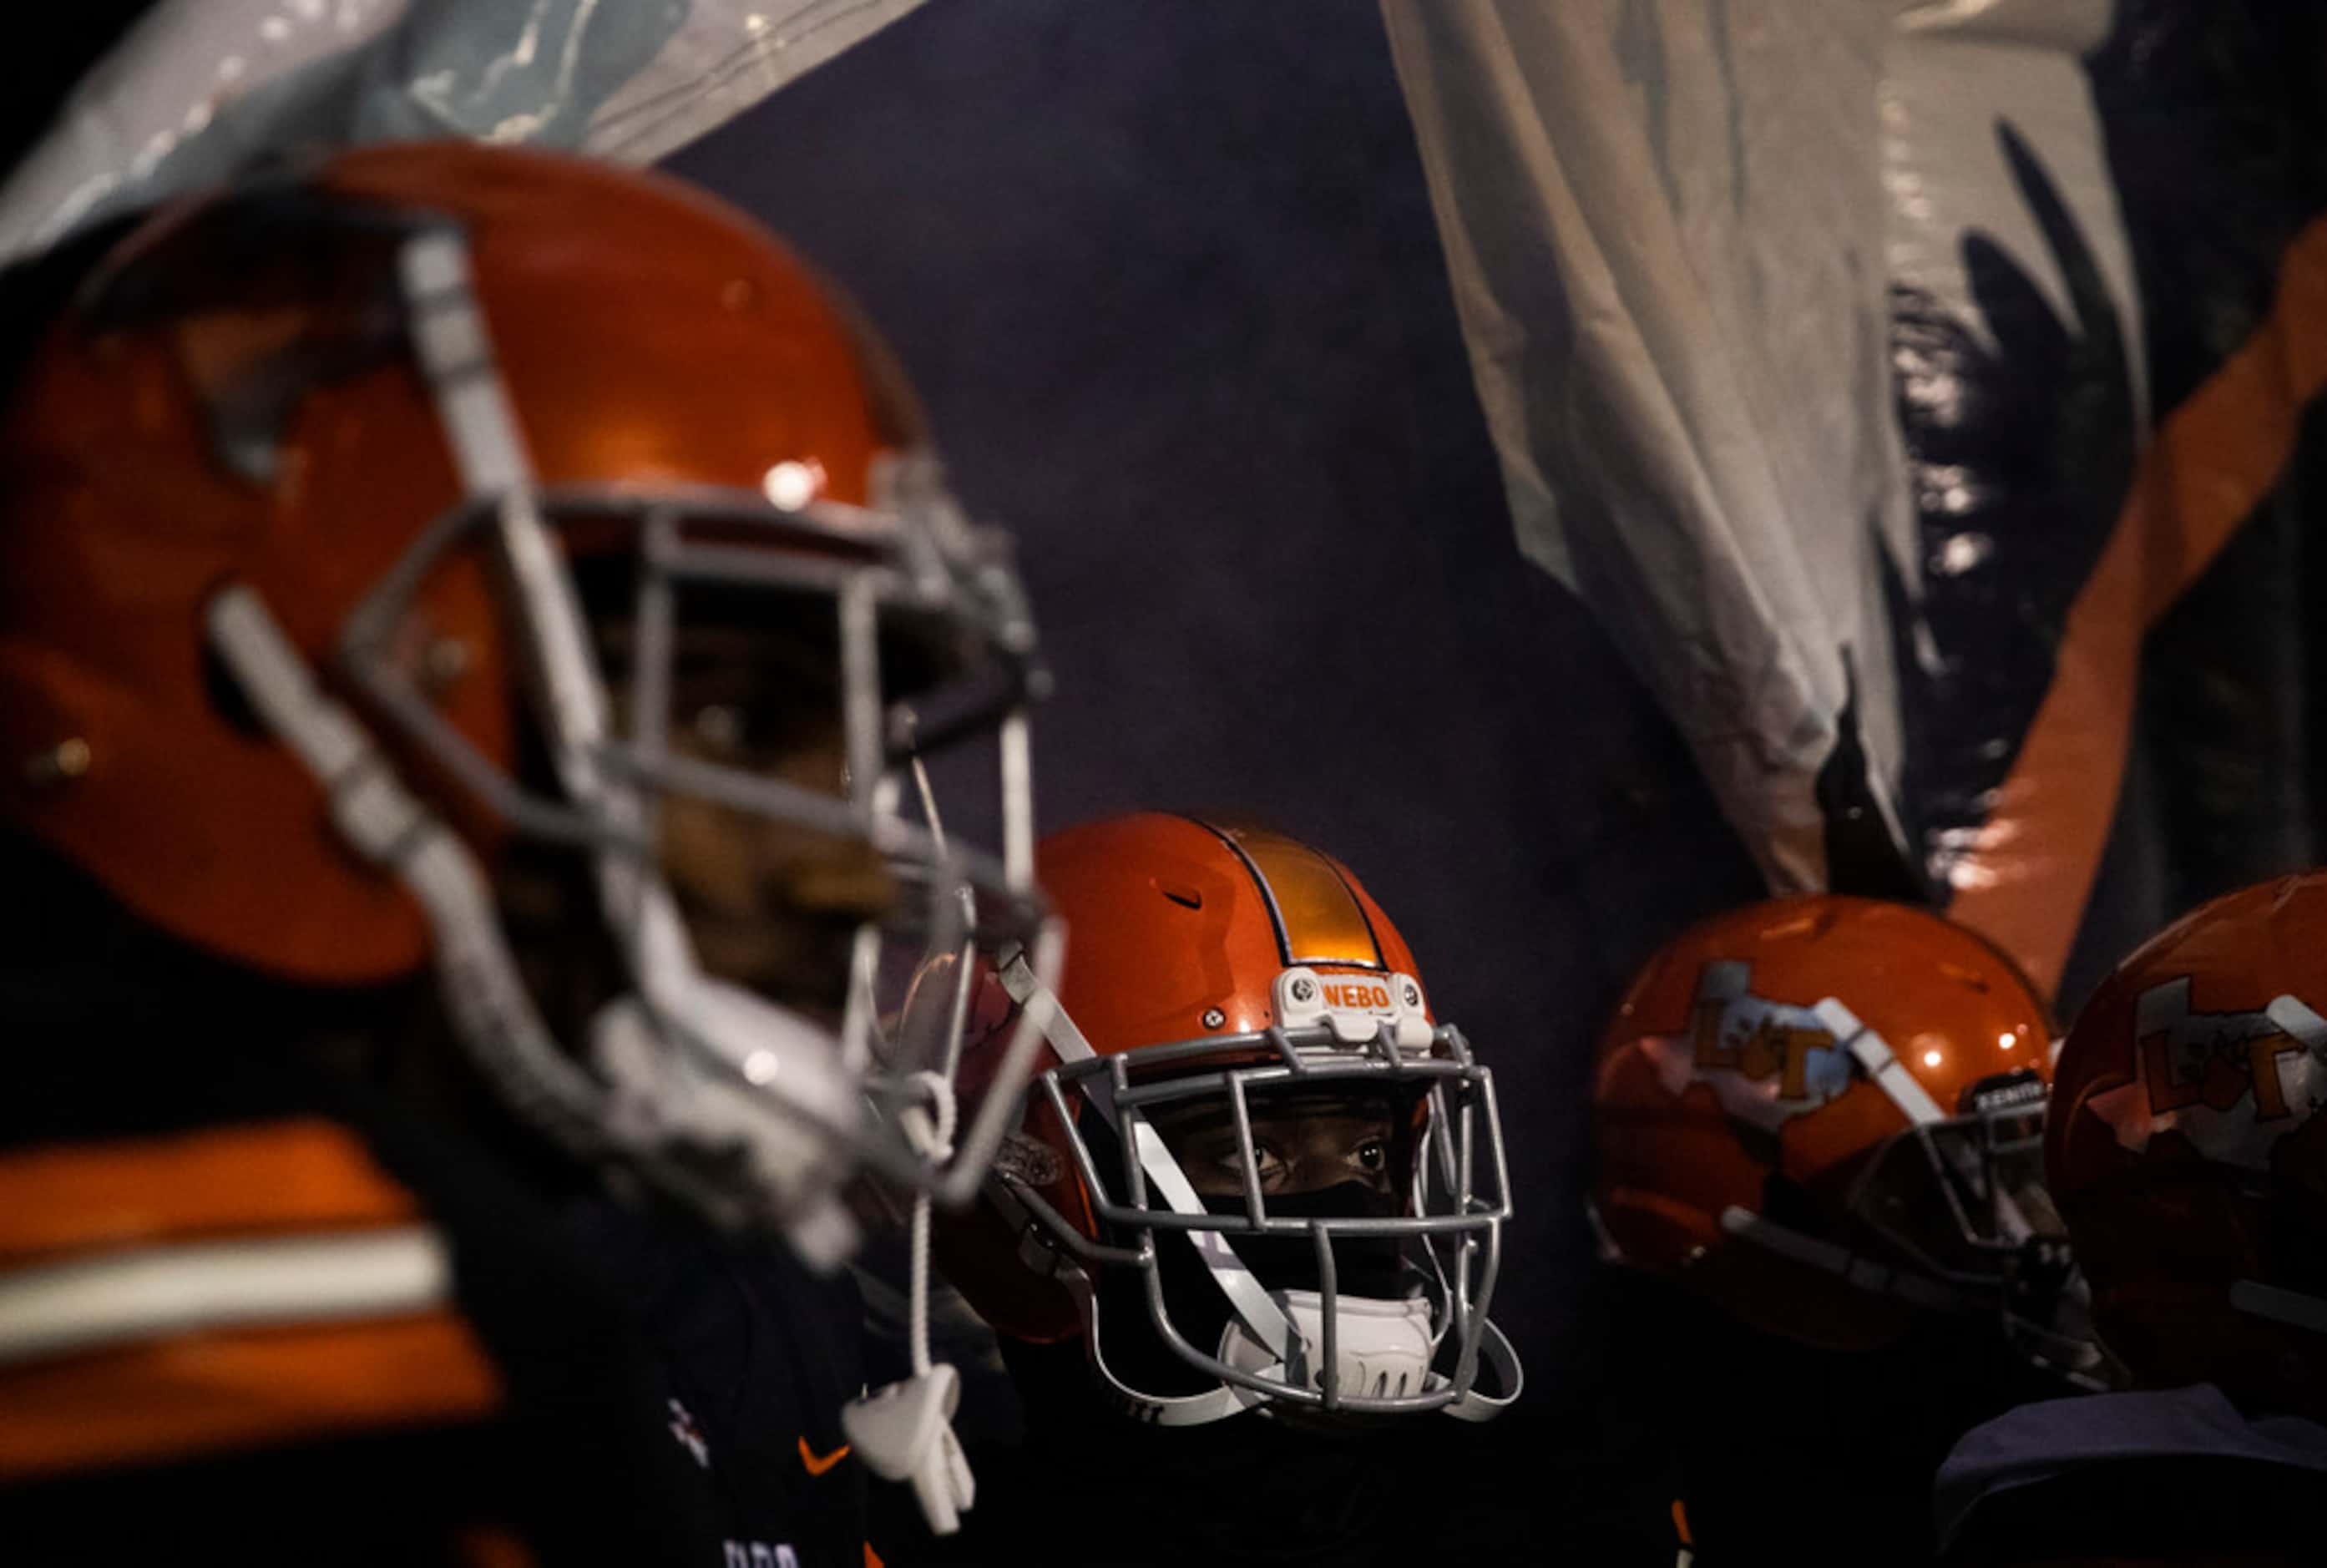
{"type": "Point", "coordinates": [1802, 925]}
{"type": "Point", "coordinates": [1969, 979]}
{"type": "Point", "coordinates": [1180, 893]}
{"type": "Point", "coordinates": [227, 700]}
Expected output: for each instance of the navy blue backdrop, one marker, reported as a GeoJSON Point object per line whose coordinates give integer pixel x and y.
{"type": "Point", "coordinates": [1167, 279]}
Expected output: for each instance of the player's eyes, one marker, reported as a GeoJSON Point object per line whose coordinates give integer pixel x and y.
{"type": "Point", "coordinates": [1372, 1156]}
{"type": "Point", "coordinates": [1264, 1161]}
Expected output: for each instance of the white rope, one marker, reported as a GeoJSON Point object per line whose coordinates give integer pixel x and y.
{"type": "Point", "coordinates": [937, 1148]}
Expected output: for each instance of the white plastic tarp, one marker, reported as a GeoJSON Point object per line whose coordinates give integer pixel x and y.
{"type": "Point", "coordinates": [1671, 227]}
{"type": "Point", "coordinates": [199, 88]}
{"type": "Point", "coordinates": [1664, 227]}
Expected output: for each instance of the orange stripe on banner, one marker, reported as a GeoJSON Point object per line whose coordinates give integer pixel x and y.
{"type": "Point", "coordinates": [302, 1174]}
{"type": "Point", "coordinates": [2214, 460]}
{"type": "Point", "coordinates": [204, 1393]}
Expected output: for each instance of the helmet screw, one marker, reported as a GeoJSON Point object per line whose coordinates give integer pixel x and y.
{"type": "Point", "coordinates": [66, 761]}
{"type": "Point", "coordinates": [1303, 989]}
{"type": "Point", "coordinates": [1214, 1018]}
{"type": "Point", "coordinates": [1413, 996]}
{"type": "Point", "coordinates": [444, 661]}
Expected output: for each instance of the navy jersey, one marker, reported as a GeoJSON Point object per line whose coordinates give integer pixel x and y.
{"type": "Point", "coordinates": [1090, 1485]}
{"type": "Point", "coordinates": [2156, 1475]}
{"type": "Point", "coordinates": [756, 1358]}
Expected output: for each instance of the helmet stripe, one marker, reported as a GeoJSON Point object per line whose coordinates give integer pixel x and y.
{"type": "Point", "coordinates": [1316, 914]}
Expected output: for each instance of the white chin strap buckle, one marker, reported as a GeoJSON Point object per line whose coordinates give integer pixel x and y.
{"type": "Point", "coordinates": [904, 1433]}
{"type": "Point", "coordinates": [1382, 1349]}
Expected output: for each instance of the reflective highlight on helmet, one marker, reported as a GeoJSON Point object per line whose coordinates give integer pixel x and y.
{"type": "Point", "coordinates": [1318, 919]}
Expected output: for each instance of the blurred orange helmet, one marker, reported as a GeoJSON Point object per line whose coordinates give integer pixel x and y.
{"type": "Point", "coordinates": [1226, 970]}
{"type": "Point", "coordinates": [2189, 1154]}
{"type": "Point", "coordinates": [297, 494]}
{"type": "Point", "coordinates": [1822, 1113]}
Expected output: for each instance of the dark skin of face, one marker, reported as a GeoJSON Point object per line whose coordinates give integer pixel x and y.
{"type": "Point", "coordinates": [1298, 1147]}
{"type": "Point", "coordinates": [756, 891]}
{"type": "Point", "coordinates": [769, 904]}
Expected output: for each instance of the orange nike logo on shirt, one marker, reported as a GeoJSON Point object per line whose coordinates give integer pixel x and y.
{"type": "Point", "coordinates": [817, 1465]}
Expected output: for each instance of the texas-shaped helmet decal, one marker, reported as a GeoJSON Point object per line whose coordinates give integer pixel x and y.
{"type": "Point", "coordinates": [2232, 1083]}
{"type": "Point", "coordinates": [1767, 1062]}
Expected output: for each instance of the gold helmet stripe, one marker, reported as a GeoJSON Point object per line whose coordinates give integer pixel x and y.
{"type": "Point", "coordinates": [1317, 915]}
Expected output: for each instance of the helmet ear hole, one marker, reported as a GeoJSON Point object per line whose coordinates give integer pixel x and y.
{"type": "Point", "coordinates": [1968, 978]}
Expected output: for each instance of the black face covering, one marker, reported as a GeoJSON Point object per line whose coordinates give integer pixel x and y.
{"type": "Point", "coordinates": [1370, 1266]}
{"type": "Point", "coordinates": [1374, 1266]}
{"type": "Point", "coordinates": [1363, 1265]}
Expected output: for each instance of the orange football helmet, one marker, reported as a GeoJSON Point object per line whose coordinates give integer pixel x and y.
{"type": "Point", "coordinates": [1230, 973]}
{"type": "Point", "coordinates": [2189, 1153]}
{"type": "Point", "coordinates": [1822, 1113]}
{"type": "Point", "coordinates": [318, 499]}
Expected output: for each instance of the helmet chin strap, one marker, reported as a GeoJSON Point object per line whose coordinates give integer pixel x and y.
{"type": "Point", "coordinates": [1880, 1063]}
{"type": "Point", "coordinates": [1386, 1344]}
{"type": "Point", "coordinates": [1247, 1297]}
{"type": "Point", "coordinates": [1852, 1268]}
